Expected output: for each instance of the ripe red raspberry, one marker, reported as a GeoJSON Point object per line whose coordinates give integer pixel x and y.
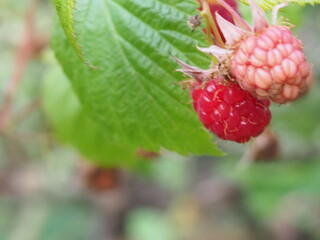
{"type": "Point", "coordinates": [271, 65]}
{"type": "Point", "coordinates": [229, 111]}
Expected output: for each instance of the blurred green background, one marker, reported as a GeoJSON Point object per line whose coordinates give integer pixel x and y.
{"type": "Point", "coordinates": [48, 191]}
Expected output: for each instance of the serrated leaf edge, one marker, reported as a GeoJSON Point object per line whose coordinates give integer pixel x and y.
{"type": "Point", "coordinates": [269, 4]}
{"type": "Point", "coordinates": [67, 25]}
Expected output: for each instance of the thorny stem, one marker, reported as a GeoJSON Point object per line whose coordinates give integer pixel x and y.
{"type": "Point", "coordinates": [206, 13]}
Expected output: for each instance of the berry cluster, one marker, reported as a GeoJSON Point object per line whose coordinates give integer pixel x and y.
{"type": "Point", "coordinates": [256, 65]}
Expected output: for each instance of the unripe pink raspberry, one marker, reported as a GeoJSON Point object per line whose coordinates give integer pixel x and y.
{"type": "Point", "coordinates": [229, 111]}
{"type": "Point", "coordinates": [271, 65]}
{"type": "Point", "coordinates": [266, 60]}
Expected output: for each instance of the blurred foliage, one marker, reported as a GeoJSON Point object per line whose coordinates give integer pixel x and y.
{"type": "Point", "coordinates": [44, 194]}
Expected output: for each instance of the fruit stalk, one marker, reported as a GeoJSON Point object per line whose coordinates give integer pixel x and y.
{"type": "Point", "coordinates": [206, 13]}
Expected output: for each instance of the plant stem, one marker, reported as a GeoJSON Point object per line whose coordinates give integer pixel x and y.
{"type": "Point", "coordinates": [212, 25]}
{"type": "Point", "coordinates": [208, 29]}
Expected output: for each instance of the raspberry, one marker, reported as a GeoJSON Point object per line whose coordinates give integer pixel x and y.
{"type": "Point", "coordinates": [229, 111]}
{"type": "Point", "coordinates": [266, 60]}
{"type": "Point", "coordinates": [271, 65]}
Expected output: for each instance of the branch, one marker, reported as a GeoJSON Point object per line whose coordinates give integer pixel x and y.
{"type": "Point", "coordinates": [28, 47]}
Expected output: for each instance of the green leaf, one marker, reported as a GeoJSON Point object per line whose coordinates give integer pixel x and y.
{"type": "Point", "coordinates": [65, 10]}
{"type": "Point", "coordinates": [269, 4]}
{"type": "Point", "coordinates": [133, 92]}
{"type": "Point", "coordinates": [74, 126]}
